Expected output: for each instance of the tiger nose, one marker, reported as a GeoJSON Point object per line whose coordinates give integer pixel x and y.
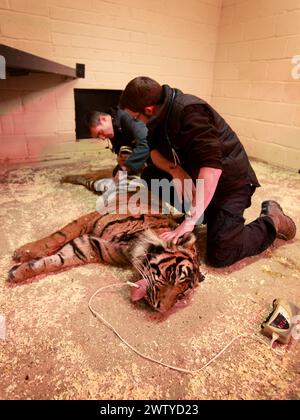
{"type": "Point", "coordinates": [164, 307]}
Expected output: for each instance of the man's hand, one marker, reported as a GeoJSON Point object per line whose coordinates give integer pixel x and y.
{"type": "Point", "coordinates": [174, 235]}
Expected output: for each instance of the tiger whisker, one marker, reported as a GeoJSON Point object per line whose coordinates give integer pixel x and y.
{"type": "Point", "coordinates": [138, 268]}
{"type": "Point", "coordinates": [138, 265]}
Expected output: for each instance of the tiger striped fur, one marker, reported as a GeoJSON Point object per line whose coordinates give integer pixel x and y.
{"type": "Point", "coordinates": [87, 180]}
{"type": "Point", "coordinates": [167, 271]}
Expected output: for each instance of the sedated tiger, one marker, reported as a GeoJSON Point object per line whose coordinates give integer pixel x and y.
{"type": "Point", "coordinates": [168, 272]}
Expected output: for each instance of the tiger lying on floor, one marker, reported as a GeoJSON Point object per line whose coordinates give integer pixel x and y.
{"type": "Point", "coordinates": [168, 272]}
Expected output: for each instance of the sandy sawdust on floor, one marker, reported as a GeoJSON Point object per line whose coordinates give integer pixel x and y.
{"type": "Point", "coordinates": [55, 348]}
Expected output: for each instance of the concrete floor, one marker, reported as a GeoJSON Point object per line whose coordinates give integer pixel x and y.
{"type": "Point", "coordinates": [55, 349]}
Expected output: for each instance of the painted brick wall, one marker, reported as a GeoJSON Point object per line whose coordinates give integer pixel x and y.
{"type": "Point", "coordinates": [256, 84]}
{"type": "Point", "coordinates": [170, 40]}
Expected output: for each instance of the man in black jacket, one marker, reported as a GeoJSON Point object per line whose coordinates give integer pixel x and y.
{"type": "Point", "coordinates": [185, 129]}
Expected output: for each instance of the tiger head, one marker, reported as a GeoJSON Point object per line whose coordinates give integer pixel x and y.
{"type": "Point", "coordinates": [169, 272]}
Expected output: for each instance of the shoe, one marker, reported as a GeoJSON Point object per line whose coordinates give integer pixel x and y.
{"type": "Point", "coordinates": [284, 225]}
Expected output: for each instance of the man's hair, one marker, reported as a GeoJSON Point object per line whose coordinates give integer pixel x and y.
{"type": "Point", "coordinates": [140, 93]}
{"type": "Point", "coordinates": [91, 118]}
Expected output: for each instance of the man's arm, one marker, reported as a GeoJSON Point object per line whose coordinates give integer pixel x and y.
{"type": "Point", "coordinates": [177, 173]}
{"type": "Point", "coordinates": [161, 162]}
{"type": "Point", "coordinates": [210, 177]}
{"type": "Point", "coordinates": [140, 154]}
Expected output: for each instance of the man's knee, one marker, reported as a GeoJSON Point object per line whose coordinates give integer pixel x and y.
{"type": "Point", "coordinates": [221, 256]}
{"type": "Point", "coordinates": [216, 262]}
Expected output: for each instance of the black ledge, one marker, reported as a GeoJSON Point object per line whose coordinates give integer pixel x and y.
{"type": "Point", "coordinates": [21, 63]}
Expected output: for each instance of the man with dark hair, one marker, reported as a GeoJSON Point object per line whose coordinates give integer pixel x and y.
{"type": "Point", "coordinates": [189, 139]}
{"type": "Point", "coordinates": [128, 137]}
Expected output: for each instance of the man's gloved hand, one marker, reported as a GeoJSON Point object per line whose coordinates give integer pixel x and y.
{"type": "Point", "coordinates": [122, 156]}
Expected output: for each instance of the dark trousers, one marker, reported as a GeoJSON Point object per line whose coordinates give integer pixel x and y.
{"type": "Point", "coordinates": [228, 238]}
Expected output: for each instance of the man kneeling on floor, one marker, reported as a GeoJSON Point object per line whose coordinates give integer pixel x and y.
{"type": "Point", "coordinates": [188, 139]}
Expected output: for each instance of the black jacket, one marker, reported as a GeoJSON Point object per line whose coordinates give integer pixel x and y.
{"type": "Point", "coordinates": [201, 138]}
{"type": "Point", "coordinates": [132, 133]}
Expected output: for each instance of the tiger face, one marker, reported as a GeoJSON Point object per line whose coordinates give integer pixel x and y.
{"type": "Point", "coordinates": [169, 272]}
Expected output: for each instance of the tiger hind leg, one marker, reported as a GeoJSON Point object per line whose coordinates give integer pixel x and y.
{"type": "Point", "coordinates": [79, 180]}
{"type": "Point", "coordinates": [86, 180]}
{"type": "Point", "coordinates": [77, 252]}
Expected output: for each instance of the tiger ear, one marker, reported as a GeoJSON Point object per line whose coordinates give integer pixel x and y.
{"type": "Point", "coordinates": [188, 240]}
